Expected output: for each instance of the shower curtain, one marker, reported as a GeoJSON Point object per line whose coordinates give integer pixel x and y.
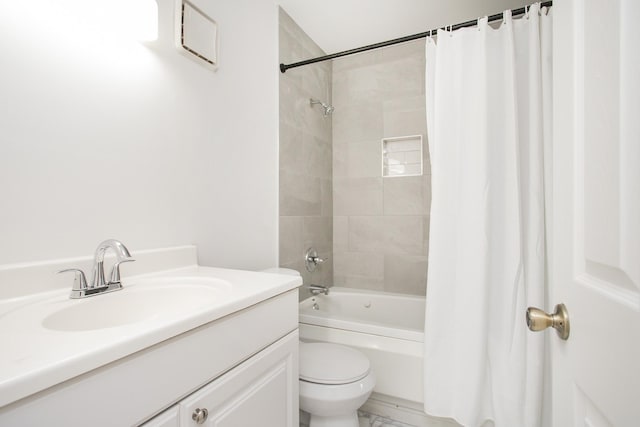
{"type": "Point", "coordinates": [489, 128]}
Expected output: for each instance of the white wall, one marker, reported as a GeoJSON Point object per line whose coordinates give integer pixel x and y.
{"type": "Point", "coordinates": [337, 25]}
{"type": "Point", "coordinates": [239, 217]}
{"type": "Point", "coordinates": [103, 137]}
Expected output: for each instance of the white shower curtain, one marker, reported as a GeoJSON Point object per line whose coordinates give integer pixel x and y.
{"type": "Point", "coordinates": [488, 119]}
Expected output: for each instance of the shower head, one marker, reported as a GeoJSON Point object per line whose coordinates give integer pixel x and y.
{"type": "Point", "coordinates": [328, 109]}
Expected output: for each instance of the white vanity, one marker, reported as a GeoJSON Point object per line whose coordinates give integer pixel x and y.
{"type": "Point", "coordinates": [180, 345]}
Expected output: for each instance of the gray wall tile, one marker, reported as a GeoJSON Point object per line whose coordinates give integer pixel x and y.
{"type": "Point", "coordinates": [379, 94]}
{"type": "Point", "coordinates": [357, 196]}
{"type": "Point", "coordinates": [373, 283]}
{"type": "Point", "coordinates": [357, 123]}
{"type": "Point", "coordinates": [405, 274]}
{"type": "Point", "coordinates": [374, 231]}
{"type": "Point", "coordinates": [404, 195]}
{"type": "Point", "coordinates": [306, 159]}
{"type": "Point", "coordinates": [299, 194]}
{"type": "Point", "coordinates": [364, 159]}
{"type": "Point", "coordinates": [290, 235]}
{"type": "Point", "coordinates": [359, 270]}
{"type": "Point", "coordinates": [403, 234]}
{"type": "Point", "coordinates": [317, 231]}
{"type": "Point", "coordinates": [340, 233]}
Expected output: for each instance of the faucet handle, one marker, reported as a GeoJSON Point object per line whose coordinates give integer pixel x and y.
{"type": "Point", "coordinates": [115, 271]}
{"type": "Point", "coordinates": [79, 281]}
{"type": "Point", "coordinates": [312, 260]}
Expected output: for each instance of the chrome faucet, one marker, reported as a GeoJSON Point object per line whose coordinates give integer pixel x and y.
{"type": "Point", "coordinates": [318, 289]}
{"type": "Point", "coordinates": [98, 284]}
{"type": "Point", "coordinates": [122, 255]}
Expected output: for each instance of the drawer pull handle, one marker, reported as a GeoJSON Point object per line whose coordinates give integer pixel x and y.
{"type": "Point", "coordinates": [200, 415]}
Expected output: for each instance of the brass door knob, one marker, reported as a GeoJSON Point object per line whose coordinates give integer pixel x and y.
{"type": "Point", "coordinates": [538, 320]}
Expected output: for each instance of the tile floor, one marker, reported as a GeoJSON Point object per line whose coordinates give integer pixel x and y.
{"type": "Point", "coordinates": [370, 420]}
{"type": "Point", "coordinates": [366, 420]}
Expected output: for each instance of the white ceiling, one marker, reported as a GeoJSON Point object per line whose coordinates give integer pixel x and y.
{"type": "Point", "coordinates": [337, 25]}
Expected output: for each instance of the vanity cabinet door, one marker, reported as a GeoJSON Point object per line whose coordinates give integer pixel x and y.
{"type": "Point", "coordinates": [262, 391]}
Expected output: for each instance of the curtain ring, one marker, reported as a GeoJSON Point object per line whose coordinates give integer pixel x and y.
{"type": "Point", "coordinates": [526, 12]}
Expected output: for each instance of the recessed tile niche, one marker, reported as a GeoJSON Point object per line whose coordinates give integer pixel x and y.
{"type": "Point", "coordinates": [402, 156]}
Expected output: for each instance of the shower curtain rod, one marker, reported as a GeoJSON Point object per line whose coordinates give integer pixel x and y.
{"type": "Point", "coordinates": [496, 17]}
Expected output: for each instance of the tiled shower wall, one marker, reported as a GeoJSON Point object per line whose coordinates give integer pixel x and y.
{"type": "Point", "coordinates": [305, 157]}
{"type": "Point", "coordinates": [380, 225]}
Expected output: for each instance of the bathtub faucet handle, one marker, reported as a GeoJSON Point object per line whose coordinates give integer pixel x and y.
{"type": "Point", "coordinates": [311, 259]}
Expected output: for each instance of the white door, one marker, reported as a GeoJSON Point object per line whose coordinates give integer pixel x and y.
{"type": "Point", "coordinates": [596, 205]}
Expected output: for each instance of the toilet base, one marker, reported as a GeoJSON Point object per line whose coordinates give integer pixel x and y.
{"type": "Point", "coordinates": [347, 420]}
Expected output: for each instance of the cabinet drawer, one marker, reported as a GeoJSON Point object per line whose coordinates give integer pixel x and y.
{"type": "Point", "coordinates": [263, 391]}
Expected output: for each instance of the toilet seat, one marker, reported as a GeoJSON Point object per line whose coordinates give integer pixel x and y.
{"type": "Point", "coordinates": [332, 364]}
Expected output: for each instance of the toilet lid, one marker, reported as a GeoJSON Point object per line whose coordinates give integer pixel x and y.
{"type": "Point", "coordinates": [325, 363]}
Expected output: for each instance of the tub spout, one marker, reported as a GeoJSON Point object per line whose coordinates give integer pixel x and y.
{"type": "Point", "coordinates": [318, 289]}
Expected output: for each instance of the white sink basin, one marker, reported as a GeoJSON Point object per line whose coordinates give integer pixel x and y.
{"type": "Point", "coordinates": [48, 338]}
{"type": "Point", "coordinates": [143, 300]}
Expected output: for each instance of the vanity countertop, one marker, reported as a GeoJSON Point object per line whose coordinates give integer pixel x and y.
{"type": "Point", "coordinates": [35, 357]}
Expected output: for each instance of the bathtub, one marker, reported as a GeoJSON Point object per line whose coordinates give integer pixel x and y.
{"type": "Point", "coordinates": [387, 327]}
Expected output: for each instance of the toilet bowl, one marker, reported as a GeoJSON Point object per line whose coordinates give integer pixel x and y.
{"type": "Point", "coordinates": [334, 382]}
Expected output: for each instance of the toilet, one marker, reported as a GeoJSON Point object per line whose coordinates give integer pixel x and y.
{"type": "Point", "coordinates": [334, 380]}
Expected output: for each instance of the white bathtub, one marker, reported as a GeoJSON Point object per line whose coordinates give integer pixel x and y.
{"type": "Point", "coordinates": [388, 328]}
